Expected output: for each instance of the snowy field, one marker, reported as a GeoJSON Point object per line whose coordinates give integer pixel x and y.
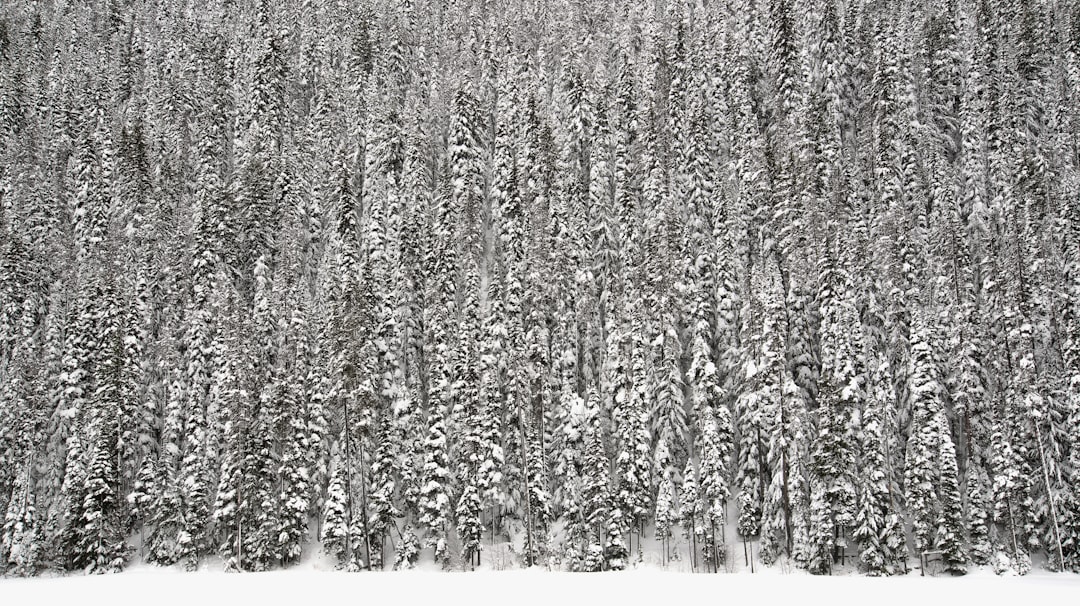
{"type": "Point", "coordinates": [154, 586]}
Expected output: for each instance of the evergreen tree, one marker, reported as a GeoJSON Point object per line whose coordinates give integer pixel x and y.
{"type": "Point", "coordinates": [690, 511]}
{"type": "Point", "coordinates": [595, 489]}
{"type": "Point", "coordinates": [434, 500]}
{"type": "Point", "coordinates": [715, 455]}
{"type": "Point", "coordinates": [950, 530]}
{"type": "Point", "coordinates": [20, 541]}
{"type": "Point", "coordinates": [978, 526]}
{"type": "Point", "coordinates": [336, 515]}
{"type": "Point", "coordinates": [878, 530]}
{"type": "Point", "coordinates": [665, 514]}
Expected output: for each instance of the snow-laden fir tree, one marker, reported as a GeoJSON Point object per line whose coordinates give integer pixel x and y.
{"type": "Point", "coordinates": [690, 511]}
{"type": "Point", "coordinates": [714, 461]}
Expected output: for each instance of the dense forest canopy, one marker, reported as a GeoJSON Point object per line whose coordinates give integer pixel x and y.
{"type": "Point", "coordinates": [789, 280]}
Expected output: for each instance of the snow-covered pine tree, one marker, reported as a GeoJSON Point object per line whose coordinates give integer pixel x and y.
{"type": "Point", "coordinates": [596, 486]}
{"type": "Point", "coordinates": [435, 476]}
{"type": "Point", "coordinates": [931, 477]}
{"type": "Point", "coordinates": [950, 529]}
{"type": "Point", "coordinates": [666, 515]}
{"type": "Point", "coordinates": [1071, 530]}
{"type": "Point", "coordinates": [382, 510]}
{"type": "Point", "coordinates": [832, 485]}
{"type": "Point", "coordinates": [630, 433]}
{"type": "Point", "coordinates": [690, 511]}
{"type": "Point", "coordinates": [778, 395]}
{"type": "Point", "coordinates": [576, 535]}
{"type": "Point", "coordinates": [336, 513]}
{"type": "Point", "coordinates": [100, 545]}
{"type": "Point", "coordinates": [20, 548]}
{"type": "Point", "coordinates": [921, 458]}
{"type": "Point", "coordinates": [878, 528]}
{"type": "Point", "coordinates": [978, 517]}
{"type": "Point", "coordinates": [670, 431]}
{"type": "Point", "coordinates": [716, 439]}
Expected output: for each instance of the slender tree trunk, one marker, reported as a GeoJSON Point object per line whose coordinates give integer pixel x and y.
{"type": "Point", "coordinates": [584, 539]}
{"type": "Point", "coordinates": [349, 555]}
{"type": "Point", "coordinates": [364, 507]}
{"type": "Point", "coordinates": [784, 490]}
{"type": "Point", "coordinates": [528, 494]}
{"type": "Point", "coordinates": [239, 510]}
{"type": "Point", "coordinates": [723, 527]}
{"type": "Point", "coordinates": [693, 547]}
{"type": "Point", "coordinates": [494, 512]}
{"type": "Point", "coordinates": [1050, 497]}
{"type": "Point", "coordinates": [715, 549]}
{"type": "Point", "coordinates": [1012, 528]}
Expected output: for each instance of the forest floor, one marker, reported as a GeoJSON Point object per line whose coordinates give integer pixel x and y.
{"type": "Point", "coordinates": [312, 582]}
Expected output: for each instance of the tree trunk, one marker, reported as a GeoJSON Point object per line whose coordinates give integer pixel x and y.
{"type": "Point", "coordinates": [784, 470]}
{"type": "Point", "coordinates": [693, 547]}
{"type": "Point", "coordinates": [363, 506]}
{"type": "Point", "coordinates": [715, 549]}
{"type": "Point", "coordinates": [1012, 528]}
{"type": "Point", "coordinates": [1050, 497]}
{"type": "Point", "coordinates": [528, 494]}
{"type": "Point", "coordinates": [348, 486]}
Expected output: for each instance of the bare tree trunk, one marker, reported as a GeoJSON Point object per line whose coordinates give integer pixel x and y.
{"type": "Point", "coordinates": [693, 548]}
{"type": "Point", "coordinates": [714, 548]}
{"type": "Point", "coordinates": [528, 494]}
{"type": "Point", "coordinates": [785, 494]}
{"type": "Point", "coordinates": [1012, 529]}
{"type": "Point", "coordinates": [1050, 497]}
{"type": "Point", "coordinates": [348, 486]}
{"type": "Point", "coordinates": [239, 516]}
{"type": "Point", "coordinates": [363, 505]}
{"type": "Point", "coordinates": [239, 544]}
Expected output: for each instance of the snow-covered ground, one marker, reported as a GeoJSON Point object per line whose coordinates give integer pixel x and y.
{"type": "Point", "coordinates": [651, 582]}
{"type": "Point", "coordinates": [650, 586]}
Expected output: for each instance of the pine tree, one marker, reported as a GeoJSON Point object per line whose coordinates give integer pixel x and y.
{"type": "Point", "coordinates": [595, 490]}
{"type": "Point", "coordinates": [669, 424]}
{"type": "Point", "coordinates": [20, 547]}
{"type": "Point", "coordinates": [665, 515]}
{"type": "Point", "coordinates": [100, 546]}
{"type": "Point", "coordinates": [434, 500]}
{"type": "Point", "coordinates": [978, 526]}
{"type": "Point", "coordinates": [469, 529]}
{"type": "Point", "coordinates": [381, 502]}
{"type": "Point", "coordinates": [877, 529]}
{"type": "Point", "coordinates": [1071, 530]}
{"type": "Point", "coordinates": [690, 511]}
{"type": "Point", "coordinates": [576, 544]}
{"type": "Point", "coordinates": [950, 530]}
{"type": "Point", "coordinates": [336, 520]}
{"type": "Point", "coordinates": [631, 439]}
{"type": "Point", "coordinates": [715, 455]}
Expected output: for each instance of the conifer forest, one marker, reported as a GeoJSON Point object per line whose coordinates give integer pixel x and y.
{"type": "Point", "coordinates": [394, 282]}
